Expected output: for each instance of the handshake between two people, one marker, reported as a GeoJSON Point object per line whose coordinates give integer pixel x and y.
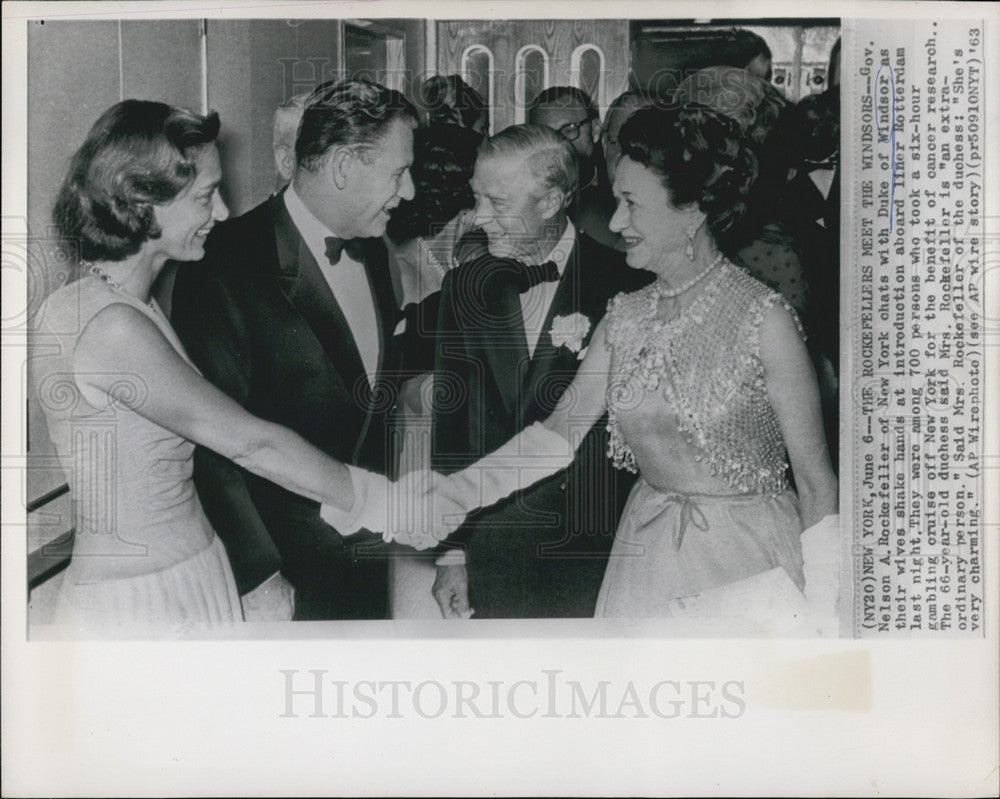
{"type": "Point", "coordinates": [423, 507]}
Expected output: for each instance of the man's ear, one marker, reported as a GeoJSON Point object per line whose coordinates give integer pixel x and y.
{"type": "Point", "coordinates": [551, 203]}
{"type": "Point", "coordinates": [284, 161]}
{"type": "Point", "coordinates": [596, 128]}
{"type": "Point", "coordinates": [341, 163]}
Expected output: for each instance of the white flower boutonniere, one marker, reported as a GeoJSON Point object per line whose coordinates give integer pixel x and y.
{"type": "Point", "coordinates": [570, 331]}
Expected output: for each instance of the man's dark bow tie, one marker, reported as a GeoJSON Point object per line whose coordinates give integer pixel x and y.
{"type": "Point", "coordinates": [335, 246]}
{"type": "Point", "coordinates": [528, 276]}
{"type": "Point", "coordinates": [812, 166]}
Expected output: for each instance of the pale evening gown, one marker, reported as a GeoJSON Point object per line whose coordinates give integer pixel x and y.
{"type": "Point", "coordinates": [144, 552]}
{"type": "Point", "coordinates": [688, 410]}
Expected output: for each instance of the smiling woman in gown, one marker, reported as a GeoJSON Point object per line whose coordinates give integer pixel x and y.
{"type": "Point", "coordinates": [123, 403]}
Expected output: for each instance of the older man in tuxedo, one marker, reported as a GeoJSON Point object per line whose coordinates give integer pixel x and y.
{"type": "Point", "coordinates": [292, 314]}
{"type": "Point", "coordinates": [513, 325]}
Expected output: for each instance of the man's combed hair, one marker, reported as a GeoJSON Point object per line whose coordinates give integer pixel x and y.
{"type": "Point", "coordinates": [287, 117]}
{"type": "Point", "coordinates": [701, 157]}
{"type": "Point", "coordinates": [139, 154]}
{"type": "Point", "coordinates": [348, 112]}
{"type": "Point", "coordinates": [550, 156]}
{"type": "Point", "coordinates": [563, 97]}
{"type": "Point", "coordinates": [628, 99]}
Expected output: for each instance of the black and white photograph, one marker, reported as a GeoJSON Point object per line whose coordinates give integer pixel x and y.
{"type": "Point", "coordinates": [312, 305]}
{"type": "Point", "coordinates": [400, 380]}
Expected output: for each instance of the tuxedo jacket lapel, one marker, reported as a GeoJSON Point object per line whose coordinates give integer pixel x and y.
{"type": "Point", "coordinates": [496, 327]}
{"type": "Point", "coordinates": [305, 287]}
{"type": "Point", "coordinates": [376, 261]}
{"type": "Point", "coordinates": [376, 264]}
{"type": "Point", "coordinates": [547, 357]}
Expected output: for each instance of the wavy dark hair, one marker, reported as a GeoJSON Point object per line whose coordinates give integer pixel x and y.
{"type": "Point", "coordinates": [746, 46]}
{"type": "Point", "coordinates": [351, 112]}
{"type": "Point", "coordinates": [762, 113]}
{"type": "Point", "coordinates": [701, 157]}
{"type": "Point", "coordinates": [449, 100]}
{"type": "Point", "coordinates": [137, 155]}
{"type": "Point", "coordinates": [444, 157]}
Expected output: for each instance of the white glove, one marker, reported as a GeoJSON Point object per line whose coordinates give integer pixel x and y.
{"type": "Point", "coordinates": [419, 510]}
{"type": "Point", "coordinates": [423, 507]}
{"type": "Point", "coordinates": [532, 455]}
{"type": "Point", "coordinates": [272, 600]}
{"type": "Point", "coordinates": [821, 567]}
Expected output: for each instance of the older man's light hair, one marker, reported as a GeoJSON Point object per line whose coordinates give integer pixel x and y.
{"type": "Point", "coordinates": [550, 157]}
{"type": "Point", "coordinates": [286, 119]}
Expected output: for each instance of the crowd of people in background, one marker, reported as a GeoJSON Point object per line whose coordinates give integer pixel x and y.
{"type": "Point", "coordinates": [632, 292]}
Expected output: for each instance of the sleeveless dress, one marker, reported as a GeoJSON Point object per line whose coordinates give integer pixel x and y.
{"type": "Point", "coordinates": [144, 552]}
{"type": "Point", "coordinates": [688, 410]}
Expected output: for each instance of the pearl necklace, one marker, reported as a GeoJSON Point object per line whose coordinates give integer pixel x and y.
{"type": "Point", "coordinates": [95, 270]}
{"type": "Point", "coordinates": [658, 291]}
{"type": "Point", "coordinates": [664, 293]}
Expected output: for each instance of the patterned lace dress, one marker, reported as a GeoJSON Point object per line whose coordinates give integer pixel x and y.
{"type": "Point", "coordinates": [688, 410]}
{"type": "Point", "coordinates": [144, 552]}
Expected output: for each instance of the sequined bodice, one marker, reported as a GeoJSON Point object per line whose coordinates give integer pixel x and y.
{"type": "Point", "coordinates": [703, 371]}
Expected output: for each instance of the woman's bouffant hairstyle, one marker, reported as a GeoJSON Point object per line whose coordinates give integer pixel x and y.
{"type": "Point", "coordinates": [450, 101]}
{"type": "Point", "coordinates": [139, 154]}
{"type": "Point", "coordinates": [701, 157]}
{"type": "Point", "coordinates": [443, 161]}
{"type": "Point", "coordinates": [762, 113]}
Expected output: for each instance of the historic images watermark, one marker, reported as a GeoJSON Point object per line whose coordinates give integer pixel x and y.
{"type": "Point", "coordinates": [319, 693]}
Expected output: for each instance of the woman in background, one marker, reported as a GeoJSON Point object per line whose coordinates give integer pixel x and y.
{"type": "Point", "coordinates": [451, 101]}
{"type": "Point", "coordinates": [760, 242]}
{"type": "Point", "coordinates": [425, 230]}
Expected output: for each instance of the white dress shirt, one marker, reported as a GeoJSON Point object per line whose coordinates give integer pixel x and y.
{"type": "Point", "coordinates": [535, 305]}
{"type": "Point", "coordinates": [536, 301]}
{"type": "Point", "coordinates": [348, 281]}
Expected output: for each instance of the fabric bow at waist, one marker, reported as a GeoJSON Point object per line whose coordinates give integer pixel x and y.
{"type": "Point", "coordinates": [689, 506]}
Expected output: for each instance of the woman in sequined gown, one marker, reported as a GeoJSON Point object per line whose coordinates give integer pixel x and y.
{"type": "Point", "coordinates": [706, 379]}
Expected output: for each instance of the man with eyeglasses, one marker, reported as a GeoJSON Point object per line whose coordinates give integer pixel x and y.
{"type": "Point", "coordinates": [571, 112]}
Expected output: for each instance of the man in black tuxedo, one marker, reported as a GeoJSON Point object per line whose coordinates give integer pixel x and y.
{"type": "Point", "coordinates": [292, 314]}
{"type": "Point", "coordinates": [513, 325]}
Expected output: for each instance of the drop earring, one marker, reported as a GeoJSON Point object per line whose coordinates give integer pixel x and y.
{"type": "Point", "coordinates": [691, 231]}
